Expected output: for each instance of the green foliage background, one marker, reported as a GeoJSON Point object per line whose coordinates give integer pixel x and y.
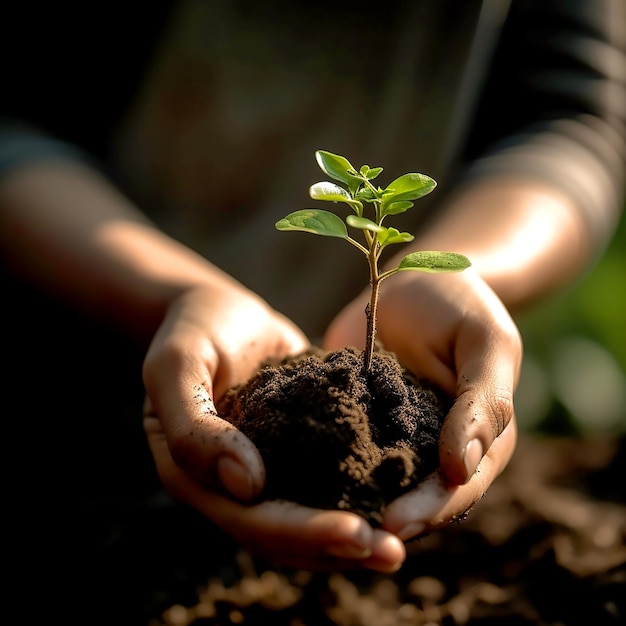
{"type": "Point", "coordinates": [574, 374]}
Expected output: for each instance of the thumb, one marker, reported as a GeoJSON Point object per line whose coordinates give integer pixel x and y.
{"type": "Point", "coordinates": [191, 435]}
{"type": "Point", "coordinates": [482, 410]}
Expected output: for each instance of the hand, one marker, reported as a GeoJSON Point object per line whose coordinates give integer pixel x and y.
{"type": "Point", "coordinates": [210, 340]}
{"type": "Point", "coordinates": [454, 331]}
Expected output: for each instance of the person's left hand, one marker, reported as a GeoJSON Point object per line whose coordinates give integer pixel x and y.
{"type": "Point", "coordinates": [452, 330]}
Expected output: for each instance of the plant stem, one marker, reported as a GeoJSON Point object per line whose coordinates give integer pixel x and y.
{"type": "Point", "coordinates": [370, 310]}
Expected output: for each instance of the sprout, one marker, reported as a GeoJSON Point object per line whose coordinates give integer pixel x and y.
{"type": "Point", "coordinates": [357, 190]}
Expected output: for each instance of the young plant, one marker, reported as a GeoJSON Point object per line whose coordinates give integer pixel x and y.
{"type": "Point", "coordinates": [394, 199]}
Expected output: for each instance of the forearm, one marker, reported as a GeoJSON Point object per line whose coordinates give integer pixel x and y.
{"type": "Point", "coordinates": [525, 238]}
{"type": "Point", "coordinates": [67, 229]}
{"type": "Point", "coordinates": [555, 118]}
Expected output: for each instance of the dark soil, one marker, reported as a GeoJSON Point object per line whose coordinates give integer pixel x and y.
{"type": "Point", "coordinates": [333, 437]}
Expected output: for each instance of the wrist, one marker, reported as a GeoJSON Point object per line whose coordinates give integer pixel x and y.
{"type": "Point", "coordinates": [523, 237]}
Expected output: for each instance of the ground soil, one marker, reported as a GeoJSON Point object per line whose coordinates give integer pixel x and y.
{"type": "Point", "coordinates": [333, 436]}
{"type": "Point", "coordinates": [546, 546]}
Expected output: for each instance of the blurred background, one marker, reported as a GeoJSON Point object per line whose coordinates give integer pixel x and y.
{"type": "Point", "coordinates": [574, 375]}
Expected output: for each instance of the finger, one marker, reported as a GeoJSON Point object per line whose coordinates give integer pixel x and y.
{"type": "Point", "coordinates": [489, 361]}
{"type": "Point", "coordinates": [297, 536]}
{"type": "Point", "coordinates": [211, 449]}
{"type": "Point", "coordinates": [436, 503]}
{"type": "Point", "coordinates": [387, 555]}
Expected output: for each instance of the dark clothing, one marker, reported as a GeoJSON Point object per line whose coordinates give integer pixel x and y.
{"type": "Point", "coordinates": [214, 134]}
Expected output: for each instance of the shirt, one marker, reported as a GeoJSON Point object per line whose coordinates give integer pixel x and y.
{"type": "Point", "coordinates": [212, 125]}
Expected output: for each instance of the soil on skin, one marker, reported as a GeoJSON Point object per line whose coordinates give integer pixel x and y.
{"type": "Point", "coordinates": [332, 437]}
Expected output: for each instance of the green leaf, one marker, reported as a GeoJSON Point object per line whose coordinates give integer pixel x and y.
{"type": "Point", "coordinates": [427, 261]}
{"type": "Point", "coordinates": [329, 191]}
{"type": "Point", "coordinates": [366, 194]}
{"type": "Point", "coordinates": [334, 193]}
{"type": "Point", "coordinates": [393, 235]}
{"type": "Point", "coordinates": [314, 221]}
{"type": "Point", "coordinates": [336, 166]}
{"type": "Point", "coordinates": [363, 223]}
{"type": "Point", "coordinates": [374, 172]}
{"type": "Point", "coordinates": [395, 208]}
{"type": "Point", "coordinates": [407, 187]}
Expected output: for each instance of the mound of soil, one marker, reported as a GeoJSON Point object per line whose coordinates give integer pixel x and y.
{"type": "Point", "coordinates": [333, 436]}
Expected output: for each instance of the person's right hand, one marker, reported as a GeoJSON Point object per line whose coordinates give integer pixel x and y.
{"type": "Point", "coordinates": [211, 339]}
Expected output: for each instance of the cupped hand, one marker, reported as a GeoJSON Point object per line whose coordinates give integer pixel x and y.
{"type": "Point", "coordinates": [453, 330]}
{"type": "Point", "coordinates": [210, 340]}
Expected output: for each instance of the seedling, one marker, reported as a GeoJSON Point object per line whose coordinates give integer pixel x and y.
{"type": "Point", "coordinates": [394, 199]}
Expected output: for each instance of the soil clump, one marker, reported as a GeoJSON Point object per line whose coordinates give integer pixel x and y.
{"type": "Point", "coordinates": [332, 436]}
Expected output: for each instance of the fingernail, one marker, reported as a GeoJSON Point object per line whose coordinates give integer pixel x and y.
{"type": "Point", "coordinates": [388, 553]}
{"type": "Point", "coordinates": [472, 456]}
{"type": "Point", "coordinates": [235, 477]}
{"type": "Point", "coordinates": [348, 550]}
{"type": "Point", "coordinates": [411, 530]}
